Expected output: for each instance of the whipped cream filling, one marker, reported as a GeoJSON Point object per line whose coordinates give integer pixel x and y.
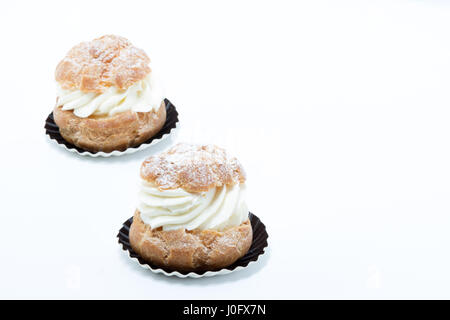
{"type": "Point", "coordinates": [217, 208]}
{"type": "Point", "coordinates": [143, 96]}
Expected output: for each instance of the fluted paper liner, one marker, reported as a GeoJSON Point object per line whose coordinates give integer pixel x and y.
{"type": "Point", "coordinates": [171, 124]}
{"type": "Point", "coordinates": [259, 243]}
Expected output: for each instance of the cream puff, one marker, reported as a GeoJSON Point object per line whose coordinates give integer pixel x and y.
{"type": "Point", "coordinates": [107, 96]}
{"type": "Point", "coordinates": [192, 213]}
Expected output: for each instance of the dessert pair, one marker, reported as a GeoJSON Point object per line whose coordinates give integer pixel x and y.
{"type": "Point", "coordinates": [192, 213]}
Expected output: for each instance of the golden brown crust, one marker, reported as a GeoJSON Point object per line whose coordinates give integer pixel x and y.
{"type": "Point", "coordinates": [101, 63]}
{"type": "Point", "coordinates": [119, 132]}
{"type": "Point", "coordinates": [195, 250]}
{"type": "Point", "coordinates": [195, 168]}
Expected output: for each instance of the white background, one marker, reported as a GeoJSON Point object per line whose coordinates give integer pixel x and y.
{"type": "Point", "coordinates": [338, 110]}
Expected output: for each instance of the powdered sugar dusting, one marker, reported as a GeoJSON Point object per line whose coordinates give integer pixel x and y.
{"type": "Point", "coordinates": [194, 168]}
{"type": "Point", "coordinates": [101, 63]}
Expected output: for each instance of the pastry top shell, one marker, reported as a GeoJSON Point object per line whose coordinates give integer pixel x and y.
{"type": "Point", "coordinates": [107, 61]}
{"type": "Point", "coordinates": [194, 168]}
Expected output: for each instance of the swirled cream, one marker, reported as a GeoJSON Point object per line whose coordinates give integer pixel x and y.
{"type": "Point", "coordinates": [217, 208]}
{"type": "Point", "coordinates": [143, 96]}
